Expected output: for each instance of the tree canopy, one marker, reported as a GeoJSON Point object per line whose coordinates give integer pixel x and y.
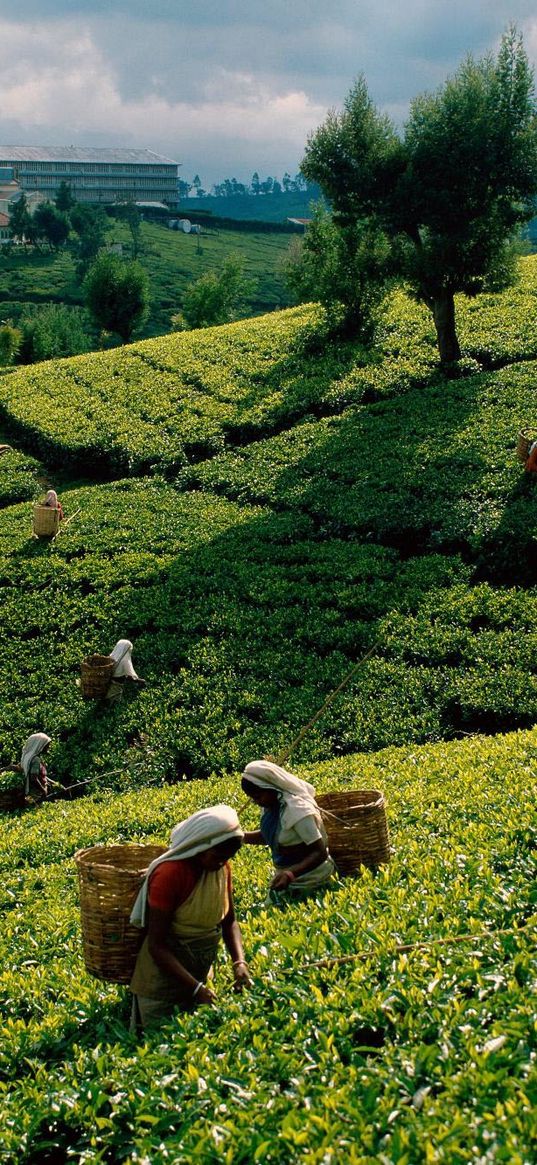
{"type": "Point", "coordinates": [117, 294]}
{"type": "Point", "coordinates": [215, 297]}
{"type": "Point", "coordinates": [451, 190]}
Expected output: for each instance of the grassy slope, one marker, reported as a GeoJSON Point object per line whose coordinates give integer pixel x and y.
{"type": "Point", "coordinates": [171, 260]}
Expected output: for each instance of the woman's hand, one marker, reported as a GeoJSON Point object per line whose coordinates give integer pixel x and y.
{"type": "Point", "coordinates": [205, 995]}
{"type": "Point", "coordinates": [282, 880]}
{"type": "Point", "coordinates": [241, 976]}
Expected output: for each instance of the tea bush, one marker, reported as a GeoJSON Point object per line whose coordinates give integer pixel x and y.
{"type": "Point", "coordinates": [18, 477]}
{"type": "Point", "coordinates": [162, 403]}
{"type": "Point", "coordinates": [434, 469]}
{"type": "Point", "coordinates": [243, 620]}
{"type": "Point", "coordinates": [423, 1056]}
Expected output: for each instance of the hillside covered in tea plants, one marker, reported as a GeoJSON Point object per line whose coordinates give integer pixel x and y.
{"type": "Point", "coordinates": [257, 507]}
{"type": "Point", "coordinates": [423, 1055]}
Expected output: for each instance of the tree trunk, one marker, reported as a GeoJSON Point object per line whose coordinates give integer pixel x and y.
{"type": "Point", "coordinates": [443, 307]}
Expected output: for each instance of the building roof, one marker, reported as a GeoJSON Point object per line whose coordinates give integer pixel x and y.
{"type": "Point", "coordinates": [81, 154]}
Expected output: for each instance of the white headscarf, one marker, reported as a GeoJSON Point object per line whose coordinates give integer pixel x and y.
{"type": "Point", "coordinates": [121, 655]}
{"type": "Point", "coordinates": [298, 796]}
{"type": "Point", "coordinates": [199, 832]}
{"type": "Point", "coordinates": [31, 748]}
{"type": "Point", "coordinates": [51, 499]}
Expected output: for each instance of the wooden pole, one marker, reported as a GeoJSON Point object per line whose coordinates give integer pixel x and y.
{"type": "Point", "coordinates": [403, 948]}
{"type": "Point", "coordinates": [64, 524]}
{"type": "Point", "coordinates": [283, 756]}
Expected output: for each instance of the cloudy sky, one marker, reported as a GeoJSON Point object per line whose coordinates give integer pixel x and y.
{"type": "Point", "coordinates": [227, 87]}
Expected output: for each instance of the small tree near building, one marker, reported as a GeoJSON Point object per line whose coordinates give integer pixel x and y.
{"type": "Point", "coordinates": [51, 224]}
{"type": "Point", "coordinates": [129, 213]}
{"type": "Point", "coordinates": [117, 294]}
{"type": "Point", "coordinates": [65, 199]}
{"type": "Point", "coordinates": [19, 220]}
{"type": "Point", "coordinates": [89, 224]}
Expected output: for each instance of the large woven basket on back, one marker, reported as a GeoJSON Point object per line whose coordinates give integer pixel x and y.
{"type": "Point", "coordinates": [46, 520]}
{"type": "Point", "coordinates": [13, 797]}
{"type": "Point", "coordinates": [95, 675]}
{"type": "Point", "coordinates": [357, 828]}
{"type": "Point", "coordinates": [110, 877]}
{"type": "Point", "coordinates": [526, 437]}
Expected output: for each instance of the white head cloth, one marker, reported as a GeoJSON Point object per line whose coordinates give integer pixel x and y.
{"type": "Point", "coordinates": [51, 499]}
{"type": "Point", "coordinates": [121, 654]}
{"type": "Point", "coordinates": [31, 748]}
{"type": "Point", "coordinates": [199, 832]}
{"type": "Point", "coordinates": [298, 796]}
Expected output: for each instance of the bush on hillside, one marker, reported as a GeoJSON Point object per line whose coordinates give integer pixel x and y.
{"type": "Point", "coordinates": [52, 332]}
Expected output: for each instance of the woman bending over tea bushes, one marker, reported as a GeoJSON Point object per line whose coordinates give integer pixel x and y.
{"type": "Point", "coordinates": [291, 825]}
{"type": "Point", "coordinates": [32, 766]}
{"type": "Point", "coordinates": [123, 669]}
{"type": "Point", "coordinates": [187, 895]}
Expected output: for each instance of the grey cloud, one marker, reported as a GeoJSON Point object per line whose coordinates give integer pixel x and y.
{"type": "Point", "coordinates": [199, 55]}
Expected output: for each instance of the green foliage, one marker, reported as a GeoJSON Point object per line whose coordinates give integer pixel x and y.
{"type": "Point", "coordinates": [51, 332]}
{"type": "Point", "coordinates": [170, 258]}
{"type": "Point", "coordinates": [51, 224]}
{"type": "Point", "coordinates": [11, 781]}
{"type": "Point", "coordinates": [18, 477]}
{"type": "Point", "coordinates": [10, 342]}
{"type": "Point", "coordinates": [89, 223]}
{"type": "Point", "coordinates": [319, 502]}
{"type": "Point", "coordinates": [65, 199]}
{"type": "Point", "coordinates": [19, 219]}
{"type": "Point", "coordinates": [371, 1059]}
{"type": "Point", "coordinates": [452, 191]}
{"type": "Point", "coordinates": [129, 213]}
{"type": "Point", "coordinates": [215, 298]}
{"type": "Point", "coordinates": [116, 294]}
{"type": "Point", "coordinates": [344, 267]}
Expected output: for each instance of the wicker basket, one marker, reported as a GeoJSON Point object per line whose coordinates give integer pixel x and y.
{"type": "Point", "coordinates": [357, 828]}
{"type": "Point", "coordinates": [46, 520]}
{"type": "Point", "coordinates": [526, 437]}
{"type": "Point", "coordinates": [95, 675]}
{"type": "Point", "coordinates": [14, 798]}
{"type": "Point", "coordinates": [110, 877]}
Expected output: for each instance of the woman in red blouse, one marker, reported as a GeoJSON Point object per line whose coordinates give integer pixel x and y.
{"type": "Point", "coordinates": [187, 902]}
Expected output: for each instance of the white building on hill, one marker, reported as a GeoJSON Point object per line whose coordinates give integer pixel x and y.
{"type": "Point", "coordinates": [94, 175]}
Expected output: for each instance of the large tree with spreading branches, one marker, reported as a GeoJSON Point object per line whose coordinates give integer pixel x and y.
{"type": "Point", "coordinates": [451, 190]}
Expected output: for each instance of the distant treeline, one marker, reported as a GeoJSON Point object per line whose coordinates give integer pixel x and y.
{"type": "Point", "coordinates": [231, 188]}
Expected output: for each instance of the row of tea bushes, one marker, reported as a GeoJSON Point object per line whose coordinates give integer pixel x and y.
{"type": "Point", "coordinates": [417, 1057]}
{"type": "Point", "coordinates": [161, 403]}
{"type": "Point", "coordinates": [18, 477]}
{"type": "Point", "coordinates": [243, 621]}
{"type": "Point", "coordinates": [435, 468]}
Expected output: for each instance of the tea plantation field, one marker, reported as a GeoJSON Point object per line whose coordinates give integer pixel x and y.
{"type": "Point", "coordinates": [171, 259]}
{"type": "Point", "coordinates": [419, 1056]}
{"type": "Point", "coordinates": [256, 509]}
